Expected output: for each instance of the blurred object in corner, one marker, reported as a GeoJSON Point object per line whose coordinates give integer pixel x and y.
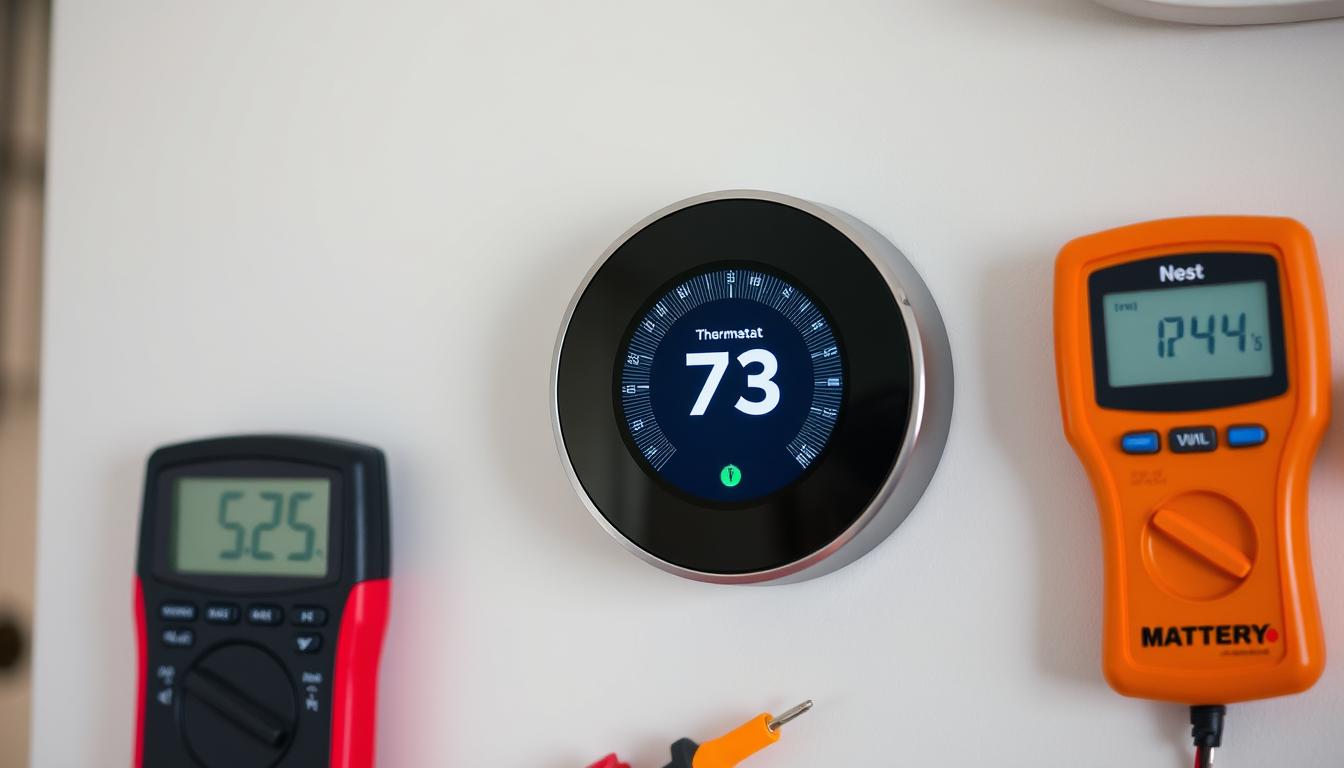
{"type": "Point", "coordinates": [1230, 12]}
{"type": "Point", "coordinates": [24, 43]}
{"type": "Point", "coordinates": [11, 644]}
{"type": "Point", "coordinates": [23, 94]}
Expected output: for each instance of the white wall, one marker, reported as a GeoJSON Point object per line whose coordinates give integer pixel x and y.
{"type": "Point", "coordinates": [366, 220]}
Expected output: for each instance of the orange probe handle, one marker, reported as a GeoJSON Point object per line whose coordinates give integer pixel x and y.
{"type": "Point", "coordinates": [737, 745]}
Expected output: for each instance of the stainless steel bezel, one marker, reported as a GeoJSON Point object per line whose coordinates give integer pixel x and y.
{"type": "Point", "coordinates": [927, 427]}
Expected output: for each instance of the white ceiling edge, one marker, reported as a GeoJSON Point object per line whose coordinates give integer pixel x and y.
{"type": "Point", "coordinates": [1230, 12]}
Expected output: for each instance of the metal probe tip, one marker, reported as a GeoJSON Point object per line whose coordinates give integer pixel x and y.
{"type": "Point", "coordinates": [787, 716]}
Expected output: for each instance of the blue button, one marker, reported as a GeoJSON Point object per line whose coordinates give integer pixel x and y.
{"type": "Point", "coordinates": [1140, 442]}
{"type": "Point", "coordinates": [1246, 435]}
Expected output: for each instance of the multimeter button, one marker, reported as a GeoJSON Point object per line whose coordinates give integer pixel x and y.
{"type": "Point", "coordinates": [1140, 442]}
{"type": "Point", "coordinates": [309, 616]}
{"type": "Point", "coordinates": [269, 615]}
{"type": "Point", "coordinates": [1246, 435]}
{"type": "Point", "coordinates": [307, 642]}
{"type": "Point", "coordinates": [179, 638]}
{"type": "Point", "coordinates": [177, 612]}
{"type": "Point", "coordinates": [221, 613]}
{"type": "Point", "coordinates": [1192, 439]}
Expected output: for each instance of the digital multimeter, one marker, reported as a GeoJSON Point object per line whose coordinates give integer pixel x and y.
{"type": "Point", "coordinates": [261, 602]}
{"type": "Point", "coordinates": [1194, 373]}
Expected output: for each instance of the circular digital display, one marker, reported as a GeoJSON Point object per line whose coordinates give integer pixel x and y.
{"type": "Point", "coordinates": [730, 384]}
{"type": "Point", "coordinates": [749, 387]}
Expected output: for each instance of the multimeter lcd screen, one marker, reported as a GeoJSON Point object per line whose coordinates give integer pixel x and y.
{"type": "Point", "coordinates": [1200, 333]}
{"type": "Point", "coordinates": [730, 384]}
{"type": "Point", "coordinates": [251, 526]}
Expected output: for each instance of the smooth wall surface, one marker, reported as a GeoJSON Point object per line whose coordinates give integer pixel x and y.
{"type": "Point", "coordinates": [366, 220]}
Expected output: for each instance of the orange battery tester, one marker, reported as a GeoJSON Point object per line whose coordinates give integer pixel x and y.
{"type": "Point", "coordinates": [1194, 375]}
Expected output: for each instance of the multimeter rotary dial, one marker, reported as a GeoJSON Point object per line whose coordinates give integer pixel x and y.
{"type": "Point", "coordinates": [238, 708]}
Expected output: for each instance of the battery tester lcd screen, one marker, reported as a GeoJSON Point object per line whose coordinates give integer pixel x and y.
{"type": "Point", "coordinates": [1200, 333]}
{"type": "Point", "coordinates": [251, 526]}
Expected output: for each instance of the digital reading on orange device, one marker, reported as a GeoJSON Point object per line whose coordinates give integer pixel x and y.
{"type": "Point", "coordinates": [1194, 377]}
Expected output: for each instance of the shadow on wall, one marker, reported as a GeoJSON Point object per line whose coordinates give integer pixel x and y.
{"type": "Point", "coordinates": [522, 383]}
{"type": "Point", "coordinates": [1016, 314]}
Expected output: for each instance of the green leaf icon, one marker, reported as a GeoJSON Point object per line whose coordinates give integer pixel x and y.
{"type": "Point", "coordinates": [730, 475]}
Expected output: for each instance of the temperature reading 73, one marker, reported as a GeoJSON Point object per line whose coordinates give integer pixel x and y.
{"type": "Point", "coordinates": [762, 380]}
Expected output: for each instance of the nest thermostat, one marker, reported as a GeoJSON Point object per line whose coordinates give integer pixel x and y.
{"type": "Point", "coordinates": [749, 387]}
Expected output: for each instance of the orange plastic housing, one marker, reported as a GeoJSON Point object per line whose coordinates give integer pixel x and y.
{"type": "Point", "coordinates": [1209, 596]}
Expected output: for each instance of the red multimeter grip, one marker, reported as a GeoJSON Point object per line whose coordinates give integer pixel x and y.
{"type": "Point", "coordinates": [261, 601]}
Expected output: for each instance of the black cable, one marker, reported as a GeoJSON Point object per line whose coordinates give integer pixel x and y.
{"type": "Point", "coordinates": [1206, 721]}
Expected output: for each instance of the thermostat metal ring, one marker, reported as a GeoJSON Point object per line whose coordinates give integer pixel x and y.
{"type": "Point", "coordinates": [874, 478]}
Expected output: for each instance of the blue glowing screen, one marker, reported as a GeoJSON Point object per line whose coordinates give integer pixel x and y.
{"type": "Point", "coordinates": [730, 385]}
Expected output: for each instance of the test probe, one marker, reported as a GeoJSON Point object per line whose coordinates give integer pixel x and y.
{"type": "Point", "coordinates": [727, 750]}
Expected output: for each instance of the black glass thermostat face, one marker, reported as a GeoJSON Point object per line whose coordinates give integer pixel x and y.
{"type": "Point", "coordinates": [730, 384]}
{"type": "Point", "coordinates": [689, 513]}
{"type": "Point", "coordinates": [1187, 332]}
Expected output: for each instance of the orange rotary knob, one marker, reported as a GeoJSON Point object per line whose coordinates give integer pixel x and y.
{"type": "Point", "coordinates": [1199, 545]}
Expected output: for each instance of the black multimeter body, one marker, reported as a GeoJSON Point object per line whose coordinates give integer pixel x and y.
{"type": "Point", "coordinates": [259, 630]}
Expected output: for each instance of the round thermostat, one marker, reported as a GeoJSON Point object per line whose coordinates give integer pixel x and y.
{"type": "Point", "coordinates": [749, 387]}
